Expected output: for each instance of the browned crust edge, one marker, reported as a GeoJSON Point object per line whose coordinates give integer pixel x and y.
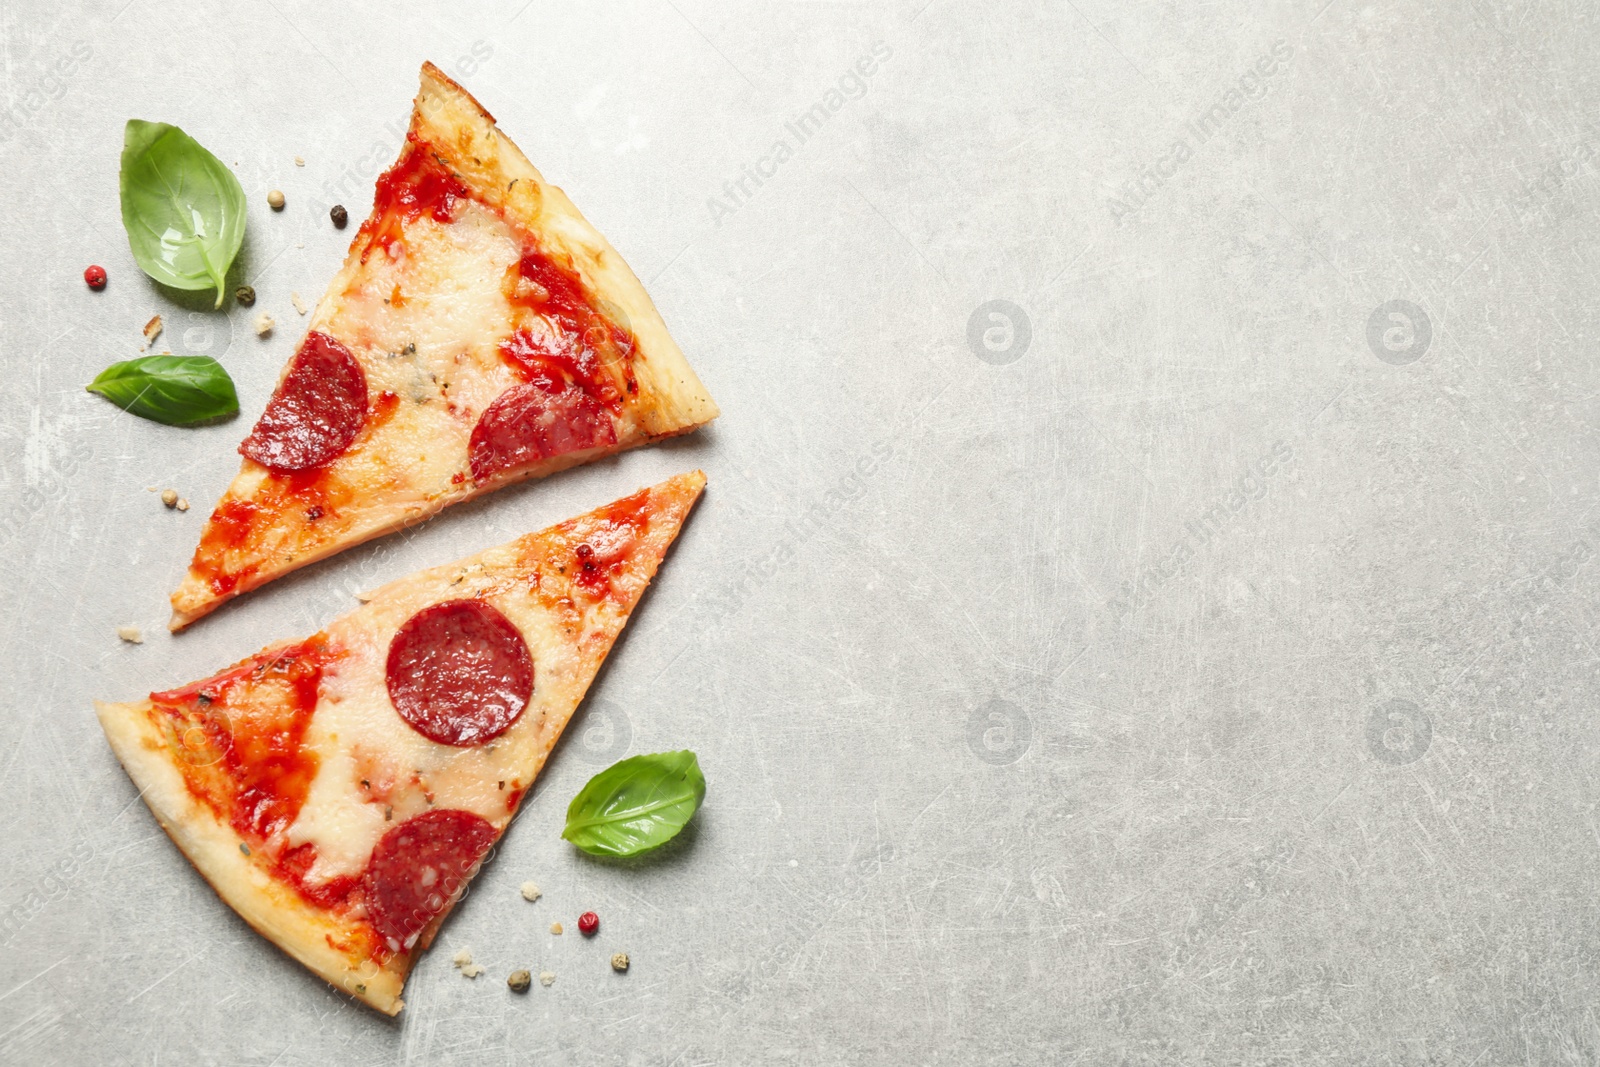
{"type": "Point", "coordinates": [214, 849]}
{"type": "Point", "coordinates": [666, 372]}
{"type": "Point", "coordinates": [273, 909]}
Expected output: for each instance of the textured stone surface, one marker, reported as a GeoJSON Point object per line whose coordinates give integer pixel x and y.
{"type": "Point", "coordinates": [1190, 658]}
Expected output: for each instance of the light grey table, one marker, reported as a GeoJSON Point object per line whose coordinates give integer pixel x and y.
{"type": "Point", "coordinates": [1143, 609]}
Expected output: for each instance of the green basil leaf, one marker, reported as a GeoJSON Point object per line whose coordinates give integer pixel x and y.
{"type": "Point", "coordinates": [183, 210]}
{"type": "Point", "coordinates": [176, 390]}
{"type": "Point", "coordinates": [636, 805]}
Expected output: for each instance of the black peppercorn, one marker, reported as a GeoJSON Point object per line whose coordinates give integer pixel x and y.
{"type": "Point", "coordinates": [339, 215]}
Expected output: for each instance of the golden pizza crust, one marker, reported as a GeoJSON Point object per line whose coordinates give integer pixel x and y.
{"type": "Point", "coordinates": [570, 635]}
{"type": "Point", "coordinates": [675, 401]}
{"type": "Point", "coordinates": [275, 910]}
{"type": "Point", "coordinates": [408, 468]}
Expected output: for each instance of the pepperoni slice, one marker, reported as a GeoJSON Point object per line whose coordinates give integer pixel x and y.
{"type": "Point", "coordinates": [420, 867]}
{"type": "Point", "coordinates": [534, 421]}
{"type": "Point", "coordinates": [459, 673]}
{"type": "Point", "coordinates": [316, 412]}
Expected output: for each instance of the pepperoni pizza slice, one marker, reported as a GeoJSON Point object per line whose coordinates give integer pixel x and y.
{"type": "Point", "coordinates": [339, 792]}
{"type": "Point", "coordinates": [480, 332]}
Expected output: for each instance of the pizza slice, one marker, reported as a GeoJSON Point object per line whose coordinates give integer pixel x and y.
{"type": "Point", "coordinates": [340, 792]}
{"type": "Point", "coordinates": [480, 332]}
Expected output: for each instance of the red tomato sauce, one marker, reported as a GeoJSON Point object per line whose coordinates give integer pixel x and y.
{"type": "Point", "coordinates": [285, 500]}
{"type": "Point", "coordinates": [293, 864]}
{"type": "Point", "coordinates": [422, 183]}
{"type": "Point", "coordinates": [238, 525]}
{"type": "Point", "coordinates": [419, 183]}
{"type": "Point", "coordinates": [240, 751]}
{"type": "Point", "coordinates": [534, 358]}
{"type": "Point", "coordinates": [583, 336]}
{"type": "Point", "coordinates": [607, 547]}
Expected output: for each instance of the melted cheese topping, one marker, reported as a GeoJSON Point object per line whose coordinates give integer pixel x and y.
{"type": "Point", "coordinates": [365, 741]}
{"type": "Point", "coordinates": [568, 591]}
{"type": "Point", "coordinates": [423, 303]}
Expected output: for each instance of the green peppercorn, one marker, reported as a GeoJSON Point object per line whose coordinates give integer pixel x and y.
{"type": "Point", "coordinates": [246, 295]}
{"type": "Point", "coordinates": [519, 981]}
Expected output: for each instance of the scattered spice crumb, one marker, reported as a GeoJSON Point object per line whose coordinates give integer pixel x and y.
{"type": "Point", "coordinates": [246, 295]}
{"type": "Point", "coordinates": [555, 928]}
{"type": "Point", "coordinates": [619, 962]}
{"type": "Point", "coordinates": [547, 978]}
{"type": "Point", "coordinates": [531, 892]}
{"type": "Point", "coordinates": [299, 305]}
{"type": "Point", "coordinates": [299, 161]}
{"type": "Point", "coordinates": [519, 981]}
{"type": "Point", "coordinates": [183, 505]}
{"type": "Point", "coordinates": [264, 324]}
{"type": "Point", "coordinates": [169, 497]}
{"type": "Point", "coordinates": [130, 634]}
{"type": "Point", "coordinates": [244, 848]}
{"type": "Point", "coordinates": [464, 964]}
{"type": "Point", "coordinates": [275, 200]}
{"type": "Point", "coordinates": [152, 329]}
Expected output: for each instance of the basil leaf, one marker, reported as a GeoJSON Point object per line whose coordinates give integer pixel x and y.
{"type": "Point", "coordinates": [183, 210]}
{"type": "Point", "coordinates": [636, 805]}
{"type": "Point", "coordinates": [176, 390]}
